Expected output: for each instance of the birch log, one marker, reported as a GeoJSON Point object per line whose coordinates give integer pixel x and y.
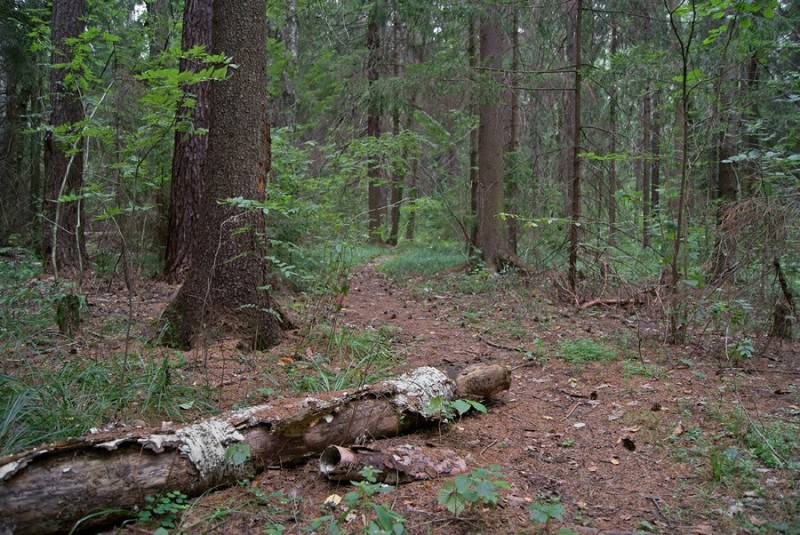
{"type": "Point", "coordinates": [55, 486]}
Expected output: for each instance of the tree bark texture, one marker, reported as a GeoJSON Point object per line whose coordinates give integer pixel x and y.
{"type": "Point", "coordinates": [474, 183]}
{"type": "Point", "coordinates": [398, 176]}
{"type": "Point", "coordinates": [574, 113]}
{"type": "Point", "coordinates": [289, 86]}
{"type": "Point", "coordinates": [374, 196]}
{"type": "Point", "coordinates": [63, 244]}
{"type": "Point", "coordinates": [612, 149]}
{"type": "Point", "coordinates": [49, 489]}
{"type": "Point", "coordinates": [512, 226]}
{"type": "Point", "coordinates": [491, 237]}
{"type": "Point", "coordinates": [190, 152]}
{"type": "Point", "coordinates": [224, 291]}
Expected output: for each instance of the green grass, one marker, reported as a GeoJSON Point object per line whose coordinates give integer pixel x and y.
{"type": "Point", "coordinates": [47, 405]}
{"type": "Point", "coordinates": [586, 350]}
{"type": "Point", "coordinates": [416, 259]}
{"type": "Point", "coordinates": [344, 359]}
{"type": "Point", "coordinates": [26, 303]}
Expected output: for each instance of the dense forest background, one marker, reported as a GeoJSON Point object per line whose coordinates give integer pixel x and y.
{"type": "Point", "coordinates": [608, 140]}
{"type": "Point", "coordinates": [635, 157]}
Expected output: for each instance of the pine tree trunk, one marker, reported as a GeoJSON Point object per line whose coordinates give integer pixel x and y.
{"type": "Point", "coordinates": [612, 148]}
{"type": "Point", "coordinates": [190, 151]}
{"type": "Point", "coordinates": [63, 244]}
{"type": "Point", "coordinates": [374, 195]}
{"type": "Point", "coordinates": [491, 237]}
{"type": "Point", "coordinates": [224, 294]}
{"type": "Point", "coordinates": [574, 51]}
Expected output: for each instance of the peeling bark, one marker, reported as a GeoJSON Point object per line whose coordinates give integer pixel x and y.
{"type": "Point", "coordinates": [51, 488]}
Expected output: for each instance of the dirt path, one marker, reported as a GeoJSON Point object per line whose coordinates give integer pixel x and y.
{"type": "Point", "coordinates": [628, 436]}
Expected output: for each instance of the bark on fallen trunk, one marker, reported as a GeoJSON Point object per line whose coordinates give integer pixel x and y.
{"type": "Point", "coordinates": [51, 488]}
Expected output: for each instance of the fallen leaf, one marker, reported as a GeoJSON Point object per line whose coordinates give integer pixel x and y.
{"type": "Point", "coordinates": [285, 361]}
{"type": "Point", "coordinates": [678, 431]}
{"type": "Point", "coordinates": [333, 500]}
{"type": "Point", "coordinates": [631, 429]}
{"type": "Point", "coordinates": [591, 468]}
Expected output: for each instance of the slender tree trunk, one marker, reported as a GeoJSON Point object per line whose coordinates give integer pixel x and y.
{"type": "Point", "coordinates": [225, 290]}
{"type": "Point", "coordinates": [472, 53]}
{"type": "Point", "coordinates": [289, 88]}
{"type": "Point", "coordinates": [158, 26]}
{"type": "Point", "coordinates": [512, 226]}
{"type": "Point", "coordinates": [612, 148]}
{"type": "Point", "coordinates": [63, 244]}
{"type": "Point", "coordinates": [646, 165]}
{"type": "Point", "coordinates": [574, 50]}
{"type": "Point", "coordinates": [398, 174]}
{"type": "Point", "coordinates": [190, 151]}
{"type": "Point", "coordinates": [374, 195]}
{"type": "Point", "coordinates": [655, 153]}
{"type": "Point", "coordinates": [677, 306]}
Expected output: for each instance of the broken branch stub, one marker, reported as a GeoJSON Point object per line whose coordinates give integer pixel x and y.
{"type": "Point", "coordinates": [398, 464]}
{"type": "Point", "coordinates": [51, 488]}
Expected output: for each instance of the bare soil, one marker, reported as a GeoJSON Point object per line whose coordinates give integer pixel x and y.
{"type": "Point", "coordinates": [654, 440]}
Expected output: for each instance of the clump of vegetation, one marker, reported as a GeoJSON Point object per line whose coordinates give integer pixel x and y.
{"type": "Point", "coordinates": [586, 350]}
{"type": "Point", "coordinates": [414, 259]}
{"type": "Point", "coordinates": [481, 486]}
{"type": "Point", "coordinates": [344, 359]}
{"type": "Point", "coordinates": [50, 404]}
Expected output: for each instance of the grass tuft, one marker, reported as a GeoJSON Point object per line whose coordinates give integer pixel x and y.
{"type": "Point", "coordinates": [586, 350]}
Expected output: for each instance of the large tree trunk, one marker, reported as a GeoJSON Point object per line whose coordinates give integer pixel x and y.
{"type": "Point", "coordinates": [63, 244]}
{"type": "Point", "coordinates": [224, 293]}
{"type": "Point", "coordinates": [190, 152]}
{"type": "Point", "coordinates": [49, 489]}
{"type": "Point", "coordinates": [491, 236]}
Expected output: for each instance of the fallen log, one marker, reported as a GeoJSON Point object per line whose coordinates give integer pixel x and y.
{"type": "Point", "coordinates": [398, 464]}
{"type": "Point", "coordinates": [98, 479]}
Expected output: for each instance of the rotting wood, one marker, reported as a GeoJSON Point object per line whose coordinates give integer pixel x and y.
{"type": "Point", "coordinates": [398, 464]}
{"type": "Point", "coordinates": [53, 487]}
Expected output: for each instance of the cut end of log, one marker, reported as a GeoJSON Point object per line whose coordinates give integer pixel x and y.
{"type": "Point", "coordinates": [482, 382]}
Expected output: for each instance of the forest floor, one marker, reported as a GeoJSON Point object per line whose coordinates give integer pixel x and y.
{"type": "Point", "coordinates": [605, 428]}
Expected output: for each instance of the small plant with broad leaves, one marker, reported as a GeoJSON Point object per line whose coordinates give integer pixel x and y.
{"type": "Point", "coordinates": [165, 509]}
{"type": "Point", "coordinates": [480, 486]}
{"type": "Point", "coordinates": [545, 511]}
{"type": "Point", "coordinates": [385, 521]}
{"type": "Point", "coordinates": [450, 410]}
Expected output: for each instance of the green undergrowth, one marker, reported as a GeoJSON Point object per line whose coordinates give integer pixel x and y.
{"type": "Point", "coordinates": [419, 259]}
{"type": "Point", "coordinates": [27, 303]}
{"type": "Point", "coordinates": [42, 405]}
{"type": "Point", "coordinates": [339, 358]}
{"type": "Point", "coordinates": [586, 350]}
